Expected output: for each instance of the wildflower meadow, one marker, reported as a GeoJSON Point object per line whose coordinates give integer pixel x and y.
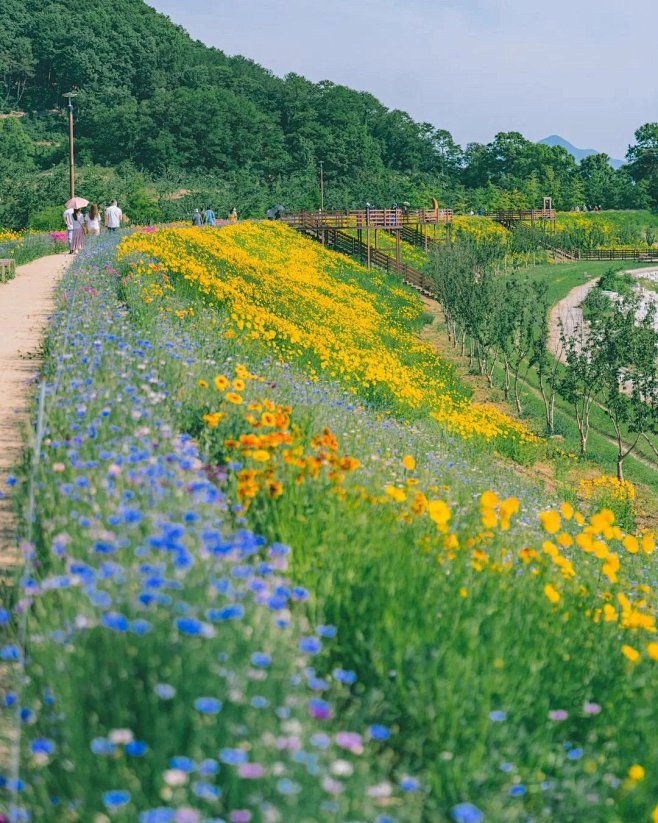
{"type": "Point", "coordinates": [279, 566]}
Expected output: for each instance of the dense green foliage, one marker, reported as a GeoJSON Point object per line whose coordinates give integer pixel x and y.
{"type": "Point", "coordinates": [155, 105]}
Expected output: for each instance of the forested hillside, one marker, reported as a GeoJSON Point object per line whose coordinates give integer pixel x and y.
{"type": "Point", "coordinates": [159, 114]}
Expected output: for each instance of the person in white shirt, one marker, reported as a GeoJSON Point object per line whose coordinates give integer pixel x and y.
{"type": "Point", "coordinates": [93, 221]}
{"type": "Point", "coordinates": [67, 217]}
{"type": "Point", "coordinates": [113, 217]}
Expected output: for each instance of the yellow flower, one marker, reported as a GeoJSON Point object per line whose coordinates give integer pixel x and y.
{"type": "Point", "coordinates": [397, 494]}
{"type": "Point", "coordinates": [238, 384]}
{"type": "Point", "coordinates": [234, 398]}
{"type": "Point", "coordinates": [652, 650]}
{"type": "Point", "coordinates": [552, 593]}
{"type": "Point", "coordinates": [213, 419]}
{"type": "Point", "coordinates": [550, 521]}
{"type": "Point", "coordinates": [439, 512]}
{"type": "Point", "coordinates": [566, 510]}
{"type": "Point", "coordinates": [203, 384]}
{"type": "Point", "coordinates": [260, 455]}
{"type": "Point", "coordinates": [631, 544]}
{"type": "Point", "coordinates": [636, 773]}
{"type": "Point", "coordinates": [654, 815]}
{"type": "Point", "coordinates": [489, 500]}
{"type": "Point", "coordinates": [409, 462]}
{"type": "Point", "coordinates": [221, 382]}
{"type": "Point", "coordinates": [632, 654]}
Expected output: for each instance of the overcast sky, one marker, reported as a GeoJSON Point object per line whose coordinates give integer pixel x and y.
{"type": "Point", "coordinates": [584, 69]}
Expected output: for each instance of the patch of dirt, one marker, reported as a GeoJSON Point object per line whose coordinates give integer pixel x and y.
{"type": "Point", "coordinates": [26, 302]}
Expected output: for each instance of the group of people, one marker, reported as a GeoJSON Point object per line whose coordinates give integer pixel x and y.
{"type": "Point", "coordinates": [207, 217]}
{"type": "Point", "coordinates": [80, 224]}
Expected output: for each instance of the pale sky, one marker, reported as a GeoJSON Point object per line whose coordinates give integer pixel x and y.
{"type": "Point", "coordinates": [584, 69]}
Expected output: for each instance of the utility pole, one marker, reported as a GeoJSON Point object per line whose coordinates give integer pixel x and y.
{"type": "Point", "coordinates": [321, 185]}
{"type": "Point", "coordinates": [70, 95]}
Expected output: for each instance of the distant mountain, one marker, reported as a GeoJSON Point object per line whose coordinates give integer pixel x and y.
{"type": "Point", "coordinates": [579, 154]}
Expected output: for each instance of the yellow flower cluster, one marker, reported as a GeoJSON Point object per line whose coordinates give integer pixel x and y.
{"type": "Point", "coordinates": [7, 235]}
{"type": "Point", "coordinates": [270, 446]}
{"type": "Point", "coordinates": [322, 310]}
{"type": "Point", "coordinates": [607, 484]}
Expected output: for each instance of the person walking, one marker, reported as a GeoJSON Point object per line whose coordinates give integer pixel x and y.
{"type": "Point", "coordinates": [197, 219]}
{"type": "Point", "coordinates": [113, 217]}
{"type": "Point", "coordinates": [67, 217]}
{"type": "Point", "coordinates": [233, 216]}
{"type": "Point", "coordinates": [93, 221]}
{"type": "Point", "coordinates": [210, 217]}
{"type": "Point", "coordinates": [78, 220]}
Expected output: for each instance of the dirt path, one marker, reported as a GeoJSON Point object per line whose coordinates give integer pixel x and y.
{"type": "Point", "coordinates": [567, 315]}
{"type": "Point", "coordinates": [25, 305]}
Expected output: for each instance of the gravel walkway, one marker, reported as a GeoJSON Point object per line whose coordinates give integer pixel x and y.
{"type": "Point", "coordinates": [25, 305]}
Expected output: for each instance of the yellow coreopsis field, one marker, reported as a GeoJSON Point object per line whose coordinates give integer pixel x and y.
{"type": "Point", "coordinates": [320, 309]}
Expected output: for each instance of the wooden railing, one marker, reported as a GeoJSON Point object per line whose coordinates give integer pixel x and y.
{"type": "Point", "coordinates": [368, 218]}
{"type": "Point", "coordinates": [638, 255]}
{"type": "Point", "coordinates": [347, 244]}
{"type": "Point", "coordinates": [507, 217]}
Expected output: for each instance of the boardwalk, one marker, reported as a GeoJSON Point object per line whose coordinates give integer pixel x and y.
{"type": "Point", "coordinates": [25, 305]}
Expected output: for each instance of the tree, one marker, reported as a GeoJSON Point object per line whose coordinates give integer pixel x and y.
{"type": "Point", "coordinates": [643, 159]}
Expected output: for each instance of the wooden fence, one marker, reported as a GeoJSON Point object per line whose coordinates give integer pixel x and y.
{"type": "Point", "coordinates": [364, 218]}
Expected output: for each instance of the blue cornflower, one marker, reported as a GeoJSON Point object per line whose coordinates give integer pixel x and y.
{"type": "Point", "coordinates": [164, 691]}
{"type": "Point", "coordinates": [310, 645]}
{"type": "Point", "coordinates": [517, 791]}
{"type": "Point", "coordinates": [184, 764]}
{"type": "Point", "coordinates": [233, 757]}
{"type": "Point", "coordinates": [345, 676]}
{"type": "Point", "coordinates": [115, 799]}
{"type": "Point", "coordinates": [259, 702]}
{"type": "Point", "coordinates": [325, 631]}
{"type": "Point", "coordinates": [10, 653]}
{"type": "Point", "coordinates": [575, 754]}
{"type": "Point", "coordinates": [206, 791]}
{"type": "Point", "coordinates": [161, 815]}
{"type": "Point", "coordinates": [261, 659]}
{"type": "Point", "coordinates": [232, 612]}
{"type": "Point", "coordinates": [102, 746]}
{"type": "Point", "coordinates": [409, 784]}
{"type": "Point", "coordinates": [498, 716]}
{"type": "Point", "coordinates": [115, 621]}
{"type": "Point", "coordinates": [4, 617]}
{"type": "Point", "coordinates": [42, 746]}
{"type": "Point", "coordinates": [208, 767]}
{"type": "Point", "coordinates": [140, 627]}
{"type": "Point", "coordinates": [189, 625]}
{"type": "Point", "coordinates": [136, 748]}
{"type": "Point", "coordinates": [208, 705]}
{"type": "Point", "coordinates": [466, 813]}
{"type": "Point", "coordinates": [286, 786]}
{"type": "Point", "coordinates": [379, 732]}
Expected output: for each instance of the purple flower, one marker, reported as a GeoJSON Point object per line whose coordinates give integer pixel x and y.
{"type": "Point", "coordinates": [351, 741]}
{"type": "Point", "coordinates": [591, 708]}
{"type": "Point", "coordinates": [558, 714]}
{"type": "Point", "coordinates": [320, 709]}
{"type": "Point", "coordinates": [251, 771]}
